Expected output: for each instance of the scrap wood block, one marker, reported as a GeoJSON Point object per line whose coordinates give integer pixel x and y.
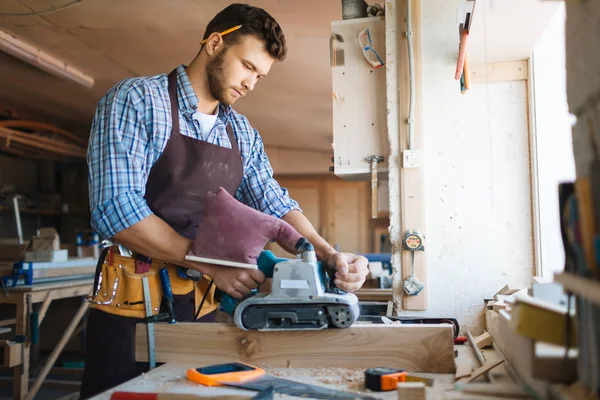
{"type": "Point", "coordinates": [411, 391]}
{"type": "Point", "coordinates": [483, 340]}
{"type": "Point", "coordinates": [542, 321]}
{"type": "Point", "coordinates": [508, 290]}
{"type": "Point", "coordinates": [415, 348]}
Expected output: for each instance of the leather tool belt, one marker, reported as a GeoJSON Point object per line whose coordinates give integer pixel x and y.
{"type": "Point", "coordinates": [118, 288]}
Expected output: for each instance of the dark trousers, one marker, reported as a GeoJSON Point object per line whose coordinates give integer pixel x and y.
{"type": "Point", "coordinates": [110, 346]}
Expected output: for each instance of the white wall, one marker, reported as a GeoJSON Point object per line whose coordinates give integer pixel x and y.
{"type": "Point", "coordinates": [476, 160]}
{"type": "Point", "coordinates": [553, 138]}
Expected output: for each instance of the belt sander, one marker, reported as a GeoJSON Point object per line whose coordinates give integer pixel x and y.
{"type": "Point", "coordinates": [303, 296]}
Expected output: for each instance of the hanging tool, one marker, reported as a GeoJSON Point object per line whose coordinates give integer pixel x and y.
{"type": "Point", "coordinates": [383, 379]}
{"type": "Point", "coordinates": [246, 376]}
{"type": "Point", "coordinates": [168, 293]}
{"type": "Point", "coordinates": [413, 241]}
{"type": "Point", "coordinates": [464, 29]}
{"type": "Point", "coordinates": [149, 323]}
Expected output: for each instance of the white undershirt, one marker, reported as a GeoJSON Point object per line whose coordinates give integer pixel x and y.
{"type": "Point", "coordinates": [206, 121]}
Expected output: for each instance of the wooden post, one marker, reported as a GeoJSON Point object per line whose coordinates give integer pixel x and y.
{"type": "Point", "coordinates": [406, 185]}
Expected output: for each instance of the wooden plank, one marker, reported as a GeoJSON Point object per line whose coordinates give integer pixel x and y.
{"type": "Point", "coordinates": [494, 389]}
{"type": "Point", "coordinates": [589, 289]}
{"type": "Point", "coordinates": [500, 72]}
{"type": "Point", "coordinates": [463, 369]}
{"type": "Point", "coordinates": [11, 321]}
{"type": "Point", "coordinates": [416, 348]}
{"type": "Point", "coordinates": [488, 366]}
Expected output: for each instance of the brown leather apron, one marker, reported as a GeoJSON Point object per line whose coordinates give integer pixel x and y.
{"type": "Point", "coordinates": [176, 190]}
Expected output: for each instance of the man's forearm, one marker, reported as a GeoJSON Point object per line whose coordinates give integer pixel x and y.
{"type": "Point", "coordinates": [154, 238]}
{"type": "Point", "coordinates": [305, 228]}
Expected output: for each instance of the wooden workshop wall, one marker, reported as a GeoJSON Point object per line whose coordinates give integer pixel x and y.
{"type": "Point", "coordinates": [339, 210]}
{"type": "Point", "coordinates": [23, 176]}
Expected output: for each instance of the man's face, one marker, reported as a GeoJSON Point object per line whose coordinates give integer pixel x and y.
{"type": "Point", "coordinates": [234, 71]}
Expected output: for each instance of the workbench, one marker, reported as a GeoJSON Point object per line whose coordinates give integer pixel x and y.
{"type": "Point", "coordinates": [170, 378]}
{"type": "Point", "coordinates": [23, 297]}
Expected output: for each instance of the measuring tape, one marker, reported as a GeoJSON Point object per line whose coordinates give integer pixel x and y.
{"type": "Point", "coordinates": [413, 241]}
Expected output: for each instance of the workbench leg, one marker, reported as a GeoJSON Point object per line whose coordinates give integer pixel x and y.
{"type": "Point", "coordinates": [57, 350]}
{"type": "Point", "coordinates": [21, 372]}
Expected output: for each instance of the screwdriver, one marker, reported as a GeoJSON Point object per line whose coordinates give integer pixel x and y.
{"type": "Point", "coordinates": [166, 285]}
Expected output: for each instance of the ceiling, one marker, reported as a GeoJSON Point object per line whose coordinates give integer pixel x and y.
{"type": "Point", "coordinates": [116, 39]}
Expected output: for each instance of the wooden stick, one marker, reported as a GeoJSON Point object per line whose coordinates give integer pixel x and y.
{"type": "Point", "coordinates": [479, 356]}
{"type": "Point", "coordinates": [56, 352]}
{"type": "Point", "coordinates": [481, 370]}
{"type": "Point", "coordinates": [415, 348]}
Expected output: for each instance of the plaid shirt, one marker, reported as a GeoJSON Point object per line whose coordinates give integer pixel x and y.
{"type": "Point", "coordinates": [129, 132]}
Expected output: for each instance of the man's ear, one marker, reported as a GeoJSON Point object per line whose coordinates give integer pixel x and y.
{"type": "Point", "coordinates": [214, 44]}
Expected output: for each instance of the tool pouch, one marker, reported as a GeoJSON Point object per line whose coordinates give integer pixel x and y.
{"type": "Point", "coordinates": [118, 289]}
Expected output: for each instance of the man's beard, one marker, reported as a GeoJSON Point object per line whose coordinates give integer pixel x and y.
{"type": "Point", "coordinates": [215, 76]}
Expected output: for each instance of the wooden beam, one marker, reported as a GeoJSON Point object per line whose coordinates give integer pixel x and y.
{"type": "Point", "coordinates": [415, 348]}
{"type": "Point", "coordinates": [406, 185]}
{"type": "Point", "coordinates": [585, 288]}
{"type": "Point", "coordinates": [500, 72]}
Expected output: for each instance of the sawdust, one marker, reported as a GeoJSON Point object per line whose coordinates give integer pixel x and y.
{"type": "Point", "coordinates": [340, 378]}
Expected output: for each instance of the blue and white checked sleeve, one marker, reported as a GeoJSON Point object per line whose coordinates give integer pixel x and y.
{"type": "Point", "coordinates": [259, 189]}
{"type": "Point", "coordinates": [117, 158]}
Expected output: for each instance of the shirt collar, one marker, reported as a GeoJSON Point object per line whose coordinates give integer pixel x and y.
{"type": "Point", "coordinates": [188, 101]}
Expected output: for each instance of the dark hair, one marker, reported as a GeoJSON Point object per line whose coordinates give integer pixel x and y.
{"type": "Point", "coordinates": [255, 21]}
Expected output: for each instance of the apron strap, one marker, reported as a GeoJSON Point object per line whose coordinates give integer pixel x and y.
{"type": "Point", "coordinates": [234, 144]}
{"type": "Point", "coordinates": [175, 111]}
{"type": "Point", "coordinates": [174, 103]}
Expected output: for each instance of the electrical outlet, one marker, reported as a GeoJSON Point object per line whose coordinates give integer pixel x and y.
{"type": "Point", "coordinates": [411, 159]}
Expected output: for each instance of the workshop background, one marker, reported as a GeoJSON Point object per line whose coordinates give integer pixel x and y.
{"type": "Point", "coordinates": [481, 186]}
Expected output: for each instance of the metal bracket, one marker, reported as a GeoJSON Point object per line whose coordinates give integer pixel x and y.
{"type": "Point", "coordinates": [374, 160]}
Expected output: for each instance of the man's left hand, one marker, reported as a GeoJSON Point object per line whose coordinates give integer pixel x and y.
{"type": "Point", "coordinates": [350, 270]}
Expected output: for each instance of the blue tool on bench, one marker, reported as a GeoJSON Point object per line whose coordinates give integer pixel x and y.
{"type": "Point", "coordinates": [303, 297]}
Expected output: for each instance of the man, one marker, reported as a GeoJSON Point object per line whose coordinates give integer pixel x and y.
{"type": "Point", "coordinates": [158, 146]}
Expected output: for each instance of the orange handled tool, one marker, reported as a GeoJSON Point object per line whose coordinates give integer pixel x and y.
{"type": "Point", "coordinates": [220, 374]}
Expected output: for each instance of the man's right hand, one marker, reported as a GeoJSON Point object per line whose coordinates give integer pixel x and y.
{"type": "Point", "coordinates": [237, 282]}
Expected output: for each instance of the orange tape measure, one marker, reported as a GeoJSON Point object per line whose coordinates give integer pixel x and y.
{"type": "Point", "coordinates": [219, 374]}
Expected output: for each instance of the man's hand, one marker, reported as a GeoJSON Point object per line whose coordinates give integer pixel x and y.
{"type": "Point", "coordinates": [350, 270]}
{"type": "Point", "coordinates": [237, 282]}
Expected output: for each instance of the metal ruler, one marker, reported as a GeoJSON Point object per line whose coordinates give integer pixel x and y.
{"type": "Point", "coordinates": [149, 323]}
